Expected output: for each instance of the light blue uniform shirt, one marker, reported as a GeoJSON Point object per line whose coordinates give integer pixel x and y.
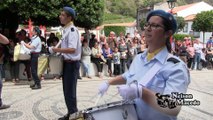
{"type": "Point", "coordinates": [172, 77]}
{"type": "Point", "coordinates": [36, 42]}
{"type": "Point", "coordinates": [71, 39]}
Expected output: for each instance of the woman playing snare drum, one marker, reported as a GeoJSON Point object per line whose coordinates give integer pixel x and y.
{"type": "Point", "coordinates": [172, 76]}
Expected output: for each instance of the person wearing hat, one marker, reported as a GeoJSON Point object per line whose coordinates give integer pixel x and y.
{"type": "Point", "coordinates": [155, 73]}
{"type": "Point", "coordinates": [71, 51]}
{"type": "Point", "coordinates": [35, 47]}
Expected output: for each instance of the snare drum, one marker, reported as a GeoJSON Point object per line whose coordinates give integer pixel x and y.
{"type": "Point", "coordinates": [111, 111]}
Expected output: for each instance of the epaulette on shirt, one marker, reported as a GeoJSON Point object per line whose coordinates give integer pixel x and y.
{"type": "Point", "coordinates": [72, 29]}
{"type": "Point", "coordinates": [174, 60]}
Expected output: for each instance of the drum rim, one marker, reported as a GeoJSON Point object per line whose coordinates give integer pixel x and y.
{"type": "Point", "coordinates": [107, 105]}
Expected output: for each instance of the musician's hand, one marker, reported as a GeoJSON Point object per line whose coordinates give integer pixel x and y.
{"type": "Point", "coordinates": [22, 42]}
{"type": "Point", "coordinates": [103, 87]}
{"type": "Point", "coordinates": [50, 49]}
{"type": "Point", "coordinates": [130, 92]}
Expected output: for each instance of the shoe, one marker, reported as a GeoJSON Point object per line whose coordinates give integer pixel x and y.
{"type": "Point", "coordinates": [36, 87]}
{"type": "Point", "coordinates": [66, 117]}
{"type": "Point", "coordinates": [33, 85]}
{"type": "Point", "coordinates": [3, 106]}
{"type": "Point", "coordinates": [89, 77]}
{"type": "Point", "coordinates": [29, 79]}
{"type": "Point", "coordinates": [79, 77]}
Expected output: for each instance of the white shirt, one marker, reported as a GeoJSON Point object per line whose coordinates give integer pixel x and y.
{"type": "Point", "coordinates": [71, 39]}
{"type": "Point", "coordinates": [172, 77]}
{"type": "Point", "coordinates": [36, 43]}
{"type": "Point", "coordinates": [198, 48]}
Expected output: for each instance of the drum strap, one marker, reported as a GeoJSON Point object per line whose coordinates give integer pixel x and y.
{"type": "Point", "coordinates": [152, 72]}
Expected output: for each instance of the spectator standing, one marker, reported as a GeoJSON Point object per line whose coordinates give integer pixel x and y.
{"type": "Point", "coordinates": [14, 65]}
{"type": "Point", "coordinates": [107, 53]}
{"type": "Point", "coordinates": [132, 52]}
{"type": "Point", "coordinates": [210, 41]}
{"type": "Point", "coordinates": [102, 41]}
{"type": "Point", "coordinates": [3, 40]}
{"type": "Point", "coordinates": [22, 36]}
{"type": "Point", "coordinates": [191, 53]}
{"type": "Point", "coordinates": [117, 62]}
{"type": "Point", "coordinates": [198, 49]}
{"type": "Point", "coordinates": [92, 41]}
{"type": "Point", "coordinates": [182, 52]}
{"type": "Point", "coordinates": [123, 49]}
{"type": "Point", "coordinates": [111, 40]}
{"type": "Point", "coordinates": [86, 58]}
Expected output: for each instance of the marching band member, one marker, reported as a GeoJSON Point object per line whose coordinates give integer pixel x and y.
{"type": "Point", "coordinates": [35, 47]}
{"type": "Point", "coordinates": [171, 76]}
{"type": "Point", "coordinates": [71, 51]}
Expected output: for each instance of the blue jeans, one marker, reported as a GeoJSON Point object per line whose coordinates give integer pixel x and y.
{"type": "Point", "coordinates": [196, 61]}
{"type": "Point", "coordinates": [86, 67]}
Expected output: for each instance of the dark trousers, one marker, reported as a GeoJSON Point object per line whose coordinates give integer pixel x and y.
{"type": "Point", "coordinates": [14, 69]}
{"type": "Point", "coordinates": [70, 74]}
{"type": "Point", "coordinates": [189, 63]}
{"type": "Point", "coordinates": [123, 65]}
{"type": "Point", "coordinates": [109, 64]}
{"type": "Point", "coordinates": [97, 62]}
{"type": "Point", "coordinates": [34, 68]}
{"type": "Point", "coordinates": [117, 69]}
{"type": "Point", "coordinates": [27, 67]}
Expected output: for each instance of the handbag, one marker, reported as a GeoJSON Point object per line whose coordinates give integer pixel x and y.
{"type": "Point", "coordinates": [24, 53]}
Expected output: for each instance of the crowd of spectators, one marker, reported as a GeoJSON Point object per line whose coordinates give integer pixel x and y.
{"type": "Point", "coordinates": [117, 51]}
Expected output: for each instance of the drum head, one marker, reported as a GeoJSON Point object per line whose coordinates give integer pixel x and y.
{"type": "Point", "coordinates": [112, 111]}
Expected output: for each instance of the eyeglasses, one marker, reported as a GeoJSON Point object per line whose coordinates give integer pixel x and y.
{"type": "Point", "coordinates": [152, 26]}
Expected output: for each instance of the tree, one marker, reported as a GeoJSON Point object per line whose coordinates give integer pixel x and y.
{"type": "Point", "coordinates": [89, 12]}
{"type": "Point", "coordinates": [203, 22]}
{"type": "Point", "coordinates": [180, 22]}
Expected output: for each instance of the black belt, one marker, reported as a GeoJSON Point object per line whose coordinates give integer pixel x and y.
{"type": "Point", "coordinates": [35, 52]}
{"type": "Point", "coordinates": [71, 61]}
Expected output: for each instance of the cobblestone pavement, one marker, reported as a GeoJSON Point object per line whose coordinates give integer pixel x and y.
{"type": "Point", "coordinates": [48, 102]}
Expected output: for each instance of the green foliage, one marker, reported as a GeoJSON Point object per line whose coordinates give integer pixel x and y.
{"type": "Point", "coordinates": [89, 12]}
{"type": "Point", "coordinates": [115, 18]}
{"type": "Point", "coordinates": [203, 21]}
{"type": "Point", "coordinates": [142, 23]}
{"type": "Point", "coordinates": [181, 37]}
{"type": "Point", "coordinates": [116, 29]}
{"type": "Point", "coordinates": [126, 7]}
{"type": "Point", "coordinates": [180, 22]}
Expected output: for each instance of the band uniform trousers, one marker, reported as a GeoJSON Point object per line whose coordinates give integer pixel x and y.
{"type": "Point", "coordinates": [34, 68]}
{"type": "Point", "coordinates": [70, 74]}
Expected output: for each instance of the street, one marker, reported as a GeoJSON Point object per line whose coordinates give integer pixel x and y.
{"type": "Point", "coordinates": [48, 102]}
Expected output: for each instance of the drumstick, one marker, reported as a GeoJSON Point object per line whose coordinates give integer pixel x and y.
{"type": "Point", "coordinates": [99, 96]}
